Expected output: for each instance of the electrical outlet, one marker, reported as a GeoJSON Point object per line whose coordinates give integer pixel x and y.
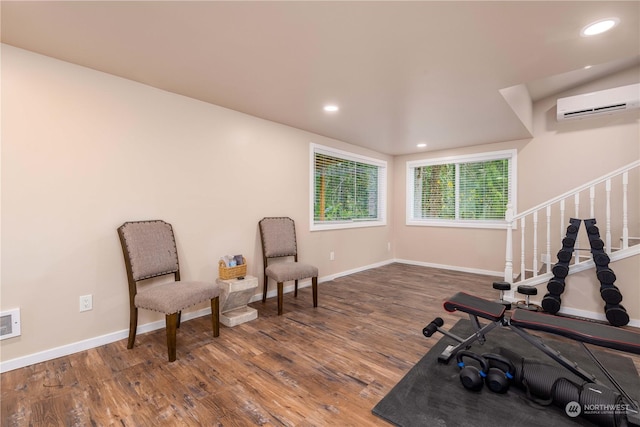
{"type": "Point", "coordinates": [86, 303]}
{"type": "Point", "coordinates": [332, 256]}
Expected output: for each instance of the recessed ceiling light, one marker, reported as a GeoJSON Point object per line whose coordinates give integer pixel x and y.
{"type": "Point", "coordinates": [331, 108]}
{"type": "Point", "coordinates": [421, 145]}
{"type": "Point", "coordinates": [599, 27]}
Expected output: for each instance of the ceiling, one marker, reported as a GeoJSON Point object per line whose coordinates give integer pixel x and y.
{"type": "Point", "coordinates": [401, 72]}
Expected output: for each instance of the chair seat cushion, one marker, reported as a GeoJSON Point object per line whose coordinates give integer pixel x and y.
{"type": "Point", "coordinates": [285, 271]}
{"type": "Point", "coordinates": [173, 297]}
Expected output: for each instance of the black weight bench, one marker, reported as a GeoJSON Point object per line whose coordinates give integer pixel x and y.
{"type": "Point", "coordinates": [520, 320]}
{"type": "Point", "coordinates": [575, 329]}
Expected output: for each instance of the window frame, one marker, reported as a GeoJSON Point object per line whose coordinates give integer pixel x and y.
{"type": "Point", "coordinates": [510, 154]}
{"type": "Point", "coordinates": [381, 220]}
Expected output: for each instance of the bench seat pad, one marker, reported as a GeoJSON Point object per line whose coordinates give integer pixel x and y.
{"type": "Point", "coordinates": [475, 306]}
{"type": "Point", "coordinates": [580, 330]}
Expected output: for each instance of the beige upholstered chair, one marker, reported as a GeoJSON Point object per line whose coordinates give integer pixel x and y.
{"type": "Point", "coordinates": [149, 249]}
{"type": "Point", "coordinates": [278, 236]}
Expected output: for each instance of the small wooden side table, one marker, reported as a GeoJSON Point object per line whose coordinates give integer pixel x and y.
{"type": "Point", "coordinates": [234, 297]}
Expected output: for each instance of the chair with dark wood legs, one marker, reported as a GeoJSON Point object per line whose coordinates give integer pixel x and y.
{"type": "Point", "coordinates": [149, 250]}
{"type": "Point", "coordinates": [278, 235]}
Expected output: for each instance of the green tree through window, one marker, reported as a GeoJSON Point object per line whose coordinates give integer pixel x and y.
{"type": "Point", "coordinates": [346, 189]}
{"type": "Point", "coordinates": [484, 189]}
{"type": "Point", "coordinates": [470, 188]}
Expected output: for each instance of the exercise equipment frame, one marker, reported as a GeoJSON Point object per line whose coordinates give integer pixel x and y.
{"type": "Point", "coordinates": [579, 330]}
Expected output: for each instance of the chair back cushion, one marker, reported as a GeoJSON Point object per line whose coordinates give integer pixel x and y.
{"type": "Point", "coordinates": [151, 248]}
{"type": "Point", "coordinates": [278, 237]}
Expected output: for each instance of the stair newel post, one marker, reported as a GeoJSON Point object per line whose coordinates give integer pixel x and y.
{"type": "Point", "coordinates": [508, 267]}
{"type": "Point", "coordinates": [548, 238]}
{"type": "Point", "coordinates": [608, 219]}
{"type": "Point", "coordinates": [522, 245]}
{"type": "Point", "coordinates": [535, 243]}
{"type": "Point", "coordinates": [625, 217]}
{"type": "Point", "coordinates": [576, 202]}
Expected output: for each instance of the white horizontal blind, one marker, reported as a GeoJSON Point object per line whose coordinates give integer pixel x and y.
{"type": "Point", "coordinates": [346, 188]}
{"type": "Point", "coordinates": [434, 191]}
{"type": "Point", "coordinates": [483, 190]}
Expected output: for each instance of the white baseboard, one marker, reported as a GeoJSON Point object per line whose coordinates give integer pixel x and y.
{"type": "Point", "coordinates": [451, 267]}
{"type": "Point", "coordinates": [90, 343]}
{"type": "Point", "coordinates": [65, 350]}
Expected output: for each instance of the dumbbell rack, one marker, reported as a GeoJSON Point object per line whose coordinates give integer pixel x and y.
{"type": "Point", "coordinates": [551, 301]}
{"type": "Point", "coordinates": [611, 295]}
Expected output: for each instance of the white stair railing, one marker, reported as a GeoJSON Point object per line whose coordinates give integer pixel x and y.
{"type": "Point", "coordinates": [608, 198]}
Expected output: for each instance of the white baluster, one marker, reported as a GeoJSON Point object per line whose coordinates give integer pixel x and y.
{"type": "Point", "coordinates": [608, 219]}
{"type": "Point", "coordinates": [562, 219]}
{"type": "Point", "coordinates": [592, 199]}
{"type": "Point", "coordinates": [522, 265]}
{"type": "Point", "coordinates": [548, 238]}
{"type": "Point", "coordinates": [625, 217]}
{"type": "Point", "coordinates": [508, 266]}
{"type": "Point", "coordinates": [535, 243]}
{"type": "Point", "coordinates": [576, 201]}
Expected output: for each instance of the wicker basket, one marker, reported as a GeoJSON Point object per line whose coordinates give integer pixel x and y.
{"type": "Point", "coordinates": [227, 273]}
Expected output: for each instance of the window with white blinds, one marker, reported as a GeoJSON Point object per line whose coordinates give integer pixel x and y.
{"type": "Point", "coordinates": [471, 191]}
{"type": "Point", "coordinates": [348, 190]}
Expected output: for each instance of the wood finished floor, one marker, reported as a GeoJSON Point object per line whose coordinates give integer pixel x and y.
{"type": "Point", "coordinates": [310, 367]}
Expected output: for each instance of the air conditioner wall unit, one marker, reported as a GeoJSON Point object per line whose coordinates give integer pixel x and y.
{"type": "Point", "coordinates": [599, 103]}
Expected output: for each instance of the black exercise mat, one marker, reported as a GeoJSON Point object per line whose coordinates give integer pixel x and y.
{"type": "Point", "coordinates": [430, 394]}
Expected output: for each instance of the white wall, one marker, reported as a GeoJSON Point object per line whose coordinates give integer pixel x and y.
{"type": "Point", "coordinates": [84, 151]}
{"type": "Point", "coordinates": [559, 157]}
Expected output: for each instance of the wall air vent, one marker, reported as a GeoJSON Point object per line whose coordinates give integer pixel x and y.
{"type": "Point", "coordinates": [599, 103]}
{"type": "Point", "coordinates": [9, 323]}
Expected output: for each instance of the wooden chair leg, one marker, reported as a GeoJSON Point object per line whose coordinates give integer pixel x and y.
{"type": "Point", "coordinates": [264, 288]}
{"type": "Point", "coordinates": [280, 291]}
{"type": "Point", "coordinates": [133, 326]}
{"type": "Point", "coordinates": [314, 287]}
{"type": "Point", "coordinates": [215, 316]}
{"type": "Point", "coordinates": [179, 319]}
{"type": "Point", "coordinates": [172, 322]}
{"type": "Point", "coordinates": [295, 290]}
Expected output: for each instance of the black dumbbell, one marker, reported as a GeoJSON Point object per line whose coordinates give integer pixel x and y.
{"type": "Point", "coordinates": [564, 255]}
{"type": "Point", "coordinates": [551, 303]}
{"type": "Point", "coordinates": [555, 286]}
{"type": "Point", "coordinates": [610, 294]}
{"type": "Point", "coordinates": [601, 259]}
{"type": "Point", "coordinates": [616, 314]}
{"type": "Point", "coordinates": [605, 275]}
{"type": "Point", "coordinates": [560, 270]}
